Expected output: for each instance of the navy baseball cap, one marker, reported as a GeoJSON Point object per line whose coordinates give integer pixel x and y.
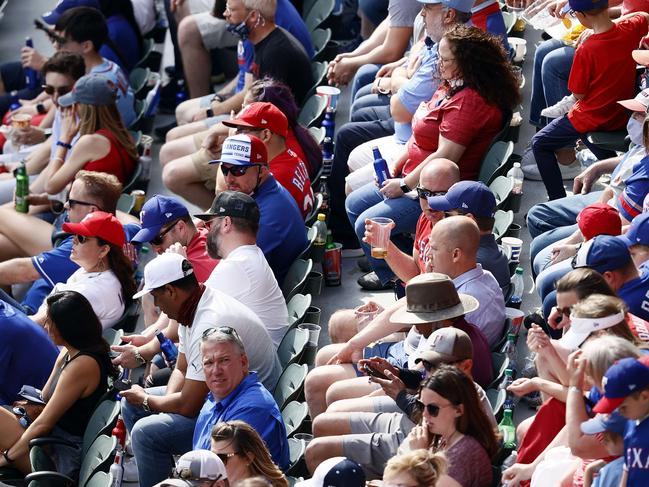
{"type": "Point", "coordinates": [52, 17]}
{"type": "Point", "coordinates": [602, 253]}
{"type": "Point", "coordinates": [91, 89]}
{"type": "Point", "coordinates": [336, 472]}
{"type": "Point", "coordinates": [155, 214]}
{"type": "Point", "coordinates": [468, 196]}
{"type": "Point", "coordinates": [622, 379]}
{"type": "Point", "coordinates": [614, 422]}
{"type": "Point", "coordinates": [638, 233]}
{"type": "Point", "coordinates": [586, 5]}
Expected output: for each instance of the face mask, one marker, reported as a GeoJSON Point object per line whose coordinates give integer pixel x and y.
{"type": "Point", "coordinates": [240, 30]}
{"type": "Point", "coordinates": [634, 128]}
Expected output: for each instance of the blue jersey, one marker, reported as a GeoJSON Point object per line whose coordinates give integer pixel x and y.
{"type": "Point", "coordinates": [288, 18]}
{"type": "Point", "coordinates": [629, 202]}
{"type": "Point", "coordinates": [635, 294]}
{"type": "Point", "coordinates": [125, 95]}
{"type": "Point", "coordinates": [636, 453]}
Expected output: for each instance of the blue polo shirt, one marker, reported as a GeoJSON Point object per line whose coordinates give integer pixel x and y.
{"type": "Point", "coordinates": [282, 234]}
{"type": "Point", "coordinates": [27, 354]}
{"type": "Point", "coordinates": [635, 294]}
{"type": "Point", "coordinates": [251, 402]}
{"type": "Point", "coordinates": [636, 453]}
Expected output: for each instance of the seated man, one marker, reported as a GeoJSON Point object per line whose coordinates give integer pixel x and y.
{"type": "Point", "coordinates": [282, 235]}
{"type": "Point", "coordinates": [454, 243]}
{"type": "Point", "coordinates": [611, 258]}
{"type": "Point", "coordinates": [243, 271]}
{"type": "Point", "coordinates": [27, 354]}
{"type": "Point", "coordinates": [236, 393]}
{"type": "Point", "coordinates": [161, 420]}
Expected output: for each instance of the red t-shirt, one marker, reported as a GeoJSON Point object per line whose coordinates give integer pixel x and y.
{"type": "Point", "coordinates": [422, 235]}
{"type": "Point", "coordinates": [197, 255]}
{"type": "Point", "coordinates": [294, 145]}
{"type": "Point", "coordinates": [292, 173]}
{"type": "Point", "coordinates": [116, 162]}
{"type": "Point", "coordinates": [465, 118]}
{"type": "Point", "coordinates": [604, 72]}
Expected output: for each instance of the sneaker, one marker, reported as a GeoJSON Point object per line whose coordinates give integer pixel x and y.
{"type": "Point", "coordinates": [531, 170]}
{"type": "Point", "coordinates": [364, 264]}
{"type": "Point", "coordinates": [560, 108]}
{"type": "Point", "coordinates": [130, 470]}
{"type": "Point", "coordinates": [371, 282]}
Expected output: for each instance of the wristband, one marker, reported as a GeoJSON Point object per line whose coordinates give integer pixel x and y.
{"type": "Point", "coordinates": [145, 404]}
{"type": "Point", "coordinates": [40, 108]}
{"type": "Point", "coordinates": [64, 144]}
{"type": "Point", "coordinates": [139, 357]}
{"type": "Point", "coordinates": [209, 113]}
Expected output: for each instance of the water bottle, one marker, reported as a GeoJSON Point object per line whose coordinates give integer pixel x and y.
{"type": "Point", "coordinates": [518, 288]}
{"type": "Point", "coordinates": [329, 122]}
{"type": "Point", "coordinates": [338, 7]}
{"type": "Point", "coordinates": [168, 348]}
{"type": "Point", "coordinates": [327, 155]}
{"type": "Point", "coordinates": [380, 167]}
{"type": "Point", "coordinates": [510, 351]}
{"type": "Point", "coordinates": [152, 99]}
{"type": "Point", "coordinates": [124, 382]}
{"type": "Point", "coordinates": [324, 191]}
{"type": "Point", "coordinates": [145, 161]}
{"type": "Point", "coordinates": [507, 429]}
{"type": "Point", "coordinates": [517, 176]}
{"type": "Point", "coordinates": [22, 188]}
{"type": "Point", "coordinates": [506, 382]}
{"type": "Point", "coordinates": [31, 76]}
{"type": "Point", "coordinates": [320, 238]}
{"type": "Point", "coordinates": [117, 469]}
{"type": "Point", "coordinates": [181, 94]}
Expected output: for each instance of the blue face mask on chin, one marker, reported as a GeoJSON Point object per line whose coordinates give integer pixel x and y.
{"type": "Point", "coordinates": [240, 30]}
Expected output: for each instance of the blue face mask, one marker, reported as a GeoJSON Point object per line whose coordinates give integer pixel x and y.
{"type": "Point", "coordinates": [240, 30]}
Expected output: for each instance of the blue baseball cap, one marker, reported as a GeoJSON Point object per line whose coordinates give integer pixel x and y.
{"type": "Point", "coordinates": [336, 472]}
{"type": "Point", "coordinates": [622, 379]}
{"type": "Point", "coordinates": [52, 17]}
{"type": "Point", "coordinates": [614, 422]}
{"type": "Point", "coordinates": [638, 233]}
{"type": "Point", "coordinates": [91, 89]}
{"type": "Point", "coordinates": [586, 5]}
{"type": "Point", "coordinates": [468, 196]}
{"type": "Point", "coordinates": [155, 214]}
{"type": "Point", "coordinates": [602, 253]}
{"type": "Point", "coordinates": [460, 5]}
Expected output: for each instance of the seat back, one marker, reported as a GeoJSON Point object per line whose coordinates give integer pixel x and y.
{"type": "Point", "coordinates": [496, 157]}
{"type": "Point", "coordinates": [502, 188]}
{"type": "Point", "coordinates": [97, 458]}
{"type": "Point", "coordinates": [319, 71]}
{"type": "Point", "coordinates": [113, 336]}
{"type": "Point", "coordinates": [137, 172]}
{"type": "Point", "coordinates": [148, 46]}
{"type": "Point", "coordinates": [292, 346]}
{"type": "Point", "coordinates": [296, 449]}
{"type": "Point", "coordinates": [297, 307]}
{"type": "Point", "coordinates": [140, 113]}
{"type": "Point", "coordinates": [500, 362]}
{"type": "Point", "coordinates": [503, 220]}
{"type": "Point", "coordinates": [102, 422]}
{"type": "Point", "coordinates": [311, 235]}
{"type": "Point", "coordinates": [318, 13]}
{"type": "Point", "coordinates": [294, 414]}
{"type": "Point", "coordinates": [41, 462]}
{"type": "Point", "coordinates": [318, 133]}
{"type": "Point", "coordinates": [296, 278]}
{"type": "Point", "coordinates": [312, 110]}
{"type": "Point", "coordinates": [317, 206]}
{"type": "Point", "coordinates": [320, 39]}
{"type": "Point", "coordinates": [496, 399]}
{"type": "Point", "coordinates": [138, 80]}
{"type": "Point", "coordinates": [290, 384]}
{"type": "Point", "coordinates": [100, 479]}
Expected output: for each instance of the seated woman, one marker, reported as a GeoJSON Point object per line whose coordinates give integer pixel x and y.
{"type": "Point", "coordinates": [244, 453]}
{"type": "Point", "coordinates": [185, 161]}
{"type": "Point", "coordinates": [454, 423]}
{"type": "Point", "coordinates": [77, 383]}
{"type": "Point", "coordinates": [418, 467]}
{"type": "Point", "coordinates": [459, 123]}
{"type": "Point", "coordinates": [105, 276]}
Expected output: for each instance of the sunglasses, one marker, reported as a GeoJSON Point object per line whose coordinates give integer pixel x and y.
{"type": "Point", "coordinates": [432, 409]}
{"type": "Point", "coordinates": [50, 90]}
{"type": "Point", "coordinates": [564, 311]}
{"type": "Point", "coordinates": [226, 456]}
{"type": "Point", "coordinates": [82, 239]}
{"type": "Point", "coordinates": [158, 240]}
{"type": "Point", "coordinates": [424, 193]}
{"type": "Point", "coordinates": [236, 171]}
{"type": "Point", "coordinates": [72, 203]}
{"type": "Point", "coordinates": [227, 330]}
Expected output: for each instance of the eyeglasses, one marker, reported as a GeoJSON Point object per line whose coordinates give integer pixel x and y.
{"type": "Point", "coordinates": [50, 90]}
{"type": "Point", "coordinates": [237, 171]}
{"type": "Point", "coordinates": [424, 193]}
{"type": "Point", "coordinates": [82, 239]}
{"type": "Point", "coordinates": [445, 61]}
{"type": "Point", "coordinates": [432, 409]}
{"type": "Point", "coordinates": [226, 456]}
{"type": "Point", "coordinates": [158, 240]}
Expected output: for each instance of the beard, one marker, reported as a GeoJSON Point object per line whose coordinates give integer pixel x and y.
{"type": "Point", "coordinates": [212, 244]}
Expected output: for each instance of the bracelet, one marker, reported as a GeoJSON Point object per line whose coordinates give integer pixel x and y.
{"type": "Point", "coordinates": [5, 454]}
{"type": "Point", "coordinates": [58, 158]}
{"type": "Point", "coordinates": [64, 144]}
{"type": "Point", "coordinates": [575, 389]}
{"type": "Point", "coordinates": [145, 403]}
{"type": "Point", "coordinates": [382, 91]}
{"type": "Point", "coordinates": [139, 357]}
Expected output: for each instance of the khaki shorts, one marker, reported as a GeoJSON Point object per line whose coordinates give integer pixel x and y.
{"type": "Point", "coordinates": [201, 160]}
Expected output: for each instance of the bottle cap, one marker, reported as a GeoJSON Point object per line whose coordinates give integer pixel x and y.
{"type": "Point", "coordinates": [519, 270]}
{"type": "Point", "coordinates": [321, 217]}
{"type": "Point", "coordinates": [517, 164]}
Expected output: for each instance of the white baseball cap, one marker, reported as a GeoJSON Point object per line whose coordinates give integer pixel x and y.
{"type": "Point", "coordinates": [581, 328]}
{"type": "Point", "coordinates": [194, 468]}
{"type": "Point", "coordinates": [165, 268]}
{"type": "Point", "coordinates": [638, 104]}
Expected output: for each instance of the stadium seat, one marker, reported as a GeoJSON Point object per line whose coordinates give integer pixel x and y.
{"type": "Point", "coordinates": [125, 203]}
{"type": "Point", "coordinates": [296, 278]}
{"type": "Point", "coordinates": [148, 55]}
{"type": "Point", "coordinates": [318, 134]}
{"type": "Point", "coordinates": [500, 362]}
{"type": "Point", "coordinates": [317, 206]}
{"type": "Point", "coordinates": [292, 346]}
{"type": "Point", "coordinates": [312, 110]}
{"type": "Point", "coordinates": [296, 448]}
{"type": "Point", "coordinates": [320, 39]}
{"type": "Point", "coordinates": [290, 384]}
{"type": "Point", "coordinates": [497, 400]}
{"type": "Point", "coordinates": [294, 415]}
{"type": "Point", "coordinates": [138, 80]}
{"type": "Point", "coordinates": [137, 172]}
{"type": "Point", "coordinates": [311, 234]}
{"type": "Point", "coordinates": [502, 188]}
{"type": "Point", "coordinates": [297, 308]}
{"type": "Point", "coordinates": [100, 479]}
{"type": "Point", "coordinates": [504, 220]}
{"type": "Point", "coordinates": [318, 13]}
{"type": "Point", "coordinates": [319, 70]}
{"type": "Point", "coordinates": [113, 337]}
{"type": "Point", "coordinates": [495, 162]}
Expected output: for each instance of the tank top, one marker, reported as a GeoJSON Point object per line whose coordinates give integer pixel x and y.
{"type": "Point", "coordinates": [117, 161]}
{"type": "Point", "coordinates": [75, 419]}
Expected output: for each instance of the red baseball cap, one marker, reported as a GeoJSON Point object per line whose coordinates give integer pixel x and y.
{"type": "Point", "coordinates": [261, 115]}
{"type": "Point", "coordinates": [599, 219]}
{"type": "Point", "coordinates": [99, 224]}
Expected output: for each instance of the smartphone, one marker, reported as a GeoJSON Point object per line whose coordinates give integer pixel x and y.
{"type": "Point", "coordinates": [373, 372]}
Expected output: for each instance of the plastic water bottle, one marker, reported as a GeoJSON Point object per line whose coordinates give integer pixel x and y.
{"type": "Point", "coordinates": [327, 155]}
{"type": "Point", "coordinates": [22, 188]}
{"type": "Point", "coordinates": [117, 469]}
{"type": "Point", "coordinates": [31, 76]}
{"type": "Point", "coordinates": [510, 351]}
{"type": "Point", "coordinates": [380, 167]}
{"type": "Point", "coordinates": [519, 288]}
{"type": "Point", "coordinates": [168, 348]}
{"type": "Point", "coordinates": [506, 382]}
{"type": "Point", "coordinates": [145, 160]}
{"type": "Point", "coordinates": [152, 99]}
{"type": "Point", "coordinates": [324, 191]}
{"type": "Point", "coordinates": [320, 238]}
{"type": "Point", "coordinates": [507, 429]}
{"type": "Point", "coordinates": [329, 122]}
{"type": "Point", "coordinates": [516, 174]}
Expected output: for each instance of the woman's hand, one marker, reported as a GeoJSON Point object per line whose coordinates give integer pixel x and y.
{"type": "Point", "coordinates": [126, 357]}
{"type": "Point", "coordinates": [562, 252]}
{"type": "Point", "coordinates": [392, 188]}
{"type": "Point", "coordinates": [537, 339]}
{"type": "Point", "coordinates": [523, 386]}
{"type": "Point", "coordinates": [418, 438]}
{"type": "Point", "coordinates": [379, 364]}
{"type": "Point", "coordinates": [518, 472]}
{"type": "Point", "coordinates": [556, 320]}
{"type": "Point", "coordinates": [69, 125]}
{"type": "Point", "coordinates": [576, 366]}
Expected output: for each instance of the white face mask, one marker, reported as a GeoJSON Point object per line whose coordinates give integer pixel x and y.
{"type": "Point", "coordinates": [634, 129]}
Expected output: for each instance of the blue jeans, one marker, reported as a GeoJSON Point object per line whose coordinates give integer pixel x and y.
{"type": "Point", "coordinates": [552, 64]}
{"type": "Point", "coordinates": [365, 99]}
{"type": "Point", "coordinates": [558, 213]}
{"type": "Point", "coordinates": [368, 202]}
{"type": "Point", "coordinates": [364, 76]}
{"type": "Point", "coordinates": [155, 437]}
{"type": "Point", "coordinates": [547, 279]}
{"type": "Point", "coordinates": [558, 134]}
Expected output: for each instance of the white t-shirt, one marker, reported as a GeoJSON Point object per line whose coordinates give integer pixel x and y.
{"type": "Point", "coordinates": [246, 276]}
{"type": "Point", "coordinates": [101, 289]}
{"type": "Point", "coordinates": [218, 309]}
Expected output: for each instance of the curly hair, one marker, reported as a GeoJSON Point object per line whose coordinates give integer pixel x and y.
{"type": "Point", "coordinates": [484, 64]}
{"type": "Point", "coordinates": [422, 465]}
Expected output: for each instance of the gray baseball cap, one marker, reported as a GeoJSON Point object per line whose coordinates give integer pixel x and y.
{"type": "Point", "coordinates": [92, 89]}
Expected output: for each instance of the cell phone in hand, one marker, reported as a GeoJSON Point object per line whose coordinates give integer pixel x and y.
{"type": "Point", "coordinates": [369, 370]}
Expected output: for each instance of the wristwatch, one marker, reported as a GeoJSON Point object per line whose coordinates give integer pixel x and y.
{"type": "Point", "coordinates": [209, 113]}
{"type": "Point", "coordinates": [404, 187]}
{"type": "Point", "coordinates": [145, 403]}
{"type": "Point", "coordinates": [40, 108]}
{"type": "Point", "coordinates": [139, 358]}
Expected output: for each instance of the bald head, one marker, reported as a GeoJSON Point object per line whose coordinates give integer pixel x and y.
{"type": "Point", "coordinates": [454, 243]}
{"type": "Point", "coordinates": [439, 175]}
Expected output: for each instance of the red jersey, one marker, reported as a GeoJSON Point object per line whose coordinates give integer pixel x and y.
{"type": "Point", "coordinates": [292, 173]}
{"type": "Point", "coordinates": [604, 72]}
{"type": "Point", "coordinates": [422, 236]}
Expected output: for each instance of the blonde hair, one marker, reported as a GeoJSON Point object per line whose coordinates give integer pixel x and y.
{"type": "Point", "coordinates": [603, 351]}
{"type": "Point", "coordinates": [424, 466]}
{"type": "Point", "coordinates": [599, 306]}
{"type": "Point", "coordinates": [266, 8]}
{"type": "Point", "coordinates": [247, 441]}
{"type": "Point", "coordinates": [93, 118]}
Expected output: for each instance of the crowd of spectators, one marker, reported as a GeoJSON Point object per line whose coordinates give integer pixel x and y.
{"type": "Point", "coordinates": [402, 393]}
